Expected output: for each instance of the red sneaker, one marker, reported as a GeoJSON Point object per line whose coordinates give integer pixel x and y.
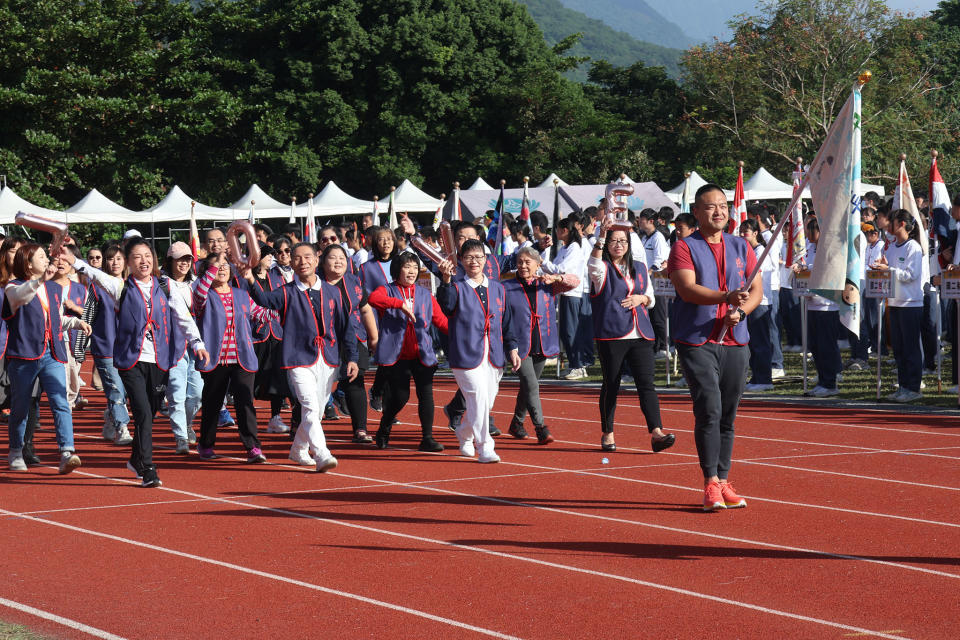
{"type": "Point", "coordinates": [730, 498]}
{"type": "Point", "coordinates": [712, 498]}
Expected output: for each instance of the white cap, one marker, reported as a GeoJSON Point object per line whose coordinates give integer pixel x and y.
{"type": "Point", "coordinates": [131, 233]}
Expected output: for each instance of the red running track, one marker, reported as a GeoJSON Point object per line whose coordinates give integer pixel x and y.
{"type": "Point", "coordinates": [851, 531]}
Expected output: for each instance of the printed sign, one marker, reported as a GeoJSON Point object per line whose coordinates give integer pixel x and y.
{"type": "Point", "coordinates": [426, 280]}
{"type": "Point", "coordinates": [662, 286]}
{"type": "Point", "coordinates": [879, 284]}
{"type": "Point", "coordinates": [801, 284]}
{"type": "Point", "coordinates": [951, 284]}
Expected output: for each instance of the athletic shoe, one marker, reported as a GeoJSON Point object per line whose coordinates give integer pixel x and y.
{"type": "Point", "coordinates": [150, 478]}
{"type": "Point", "coordinates": [340, 402]}
{"type": "Point", "coordinates": [301, 457]}
{"type": "Point", "coordinates": [80, 402]}
{"type": "Point", "coordinates": [15, 460]}
{"type": "Point", "coordinates": [330, 413]}
{"type": "Point", "coordinates": [191, 436]}
{"type": "Point", "coordinates": [759, 387]}
{"type": "Point", "coordinates": [895, 396]}
{"type": "Point", "coordinates": [576, 374]}
{"type": "Point", "coordinates": [488, 458]}
{"type": "Point", "coordinates": [430, 445]}
{"type": "Point", "coordinates": [109, 431]}
{"type": "Point", "coordinates": [225, 419]}
{"type": "Point", "coordinates": [277, 425]}
{"type": "Point", "coordinates": [730, 498]}
{"type": "Point", "coordinates": [550, 362]}
{"type": "Point", "coordinates": [467, 450]}
{"type": "Point", "coordinates": [856, 365]}
{"type": "Point", "coordinates": [906, 395]}
{"type": "Point", "coordinates": [326, 464]}
{"type": "Point", "coordinates": [183, 447]}
{"type": "Point", "coordinates": [661, 355]}
{"type": "Point", "coordinates": [455, 419]}
{"type": "Point", "coordinates": [382, 438]}
{"type": "Point", "coordinates": [626, 379]}
{"type": "Point", "coordinates": [713, 497]}
{"type": "Point", "coordinates": [492, 428]}
{"type": "Point", "coordinates": [376, 402]}
{"type": "Point", "coordinates": [205, 453]}
{"type": "Point", "coordinates": [822, 392]}
{"type": "Point", "coordinates": [68, 462]}
{"type": "Point", "coordinates": [777, 374]}
{"type": "Point", "coordinates": [255, 456]}
{"type": "Point", "coordinates": [133, 470]}
{"type": "Point", "coordinates": [517, 431]}
{"type": "Point", "coordinates": [543, 435]}
{"type": "Point", "coordinates": [122, 436]}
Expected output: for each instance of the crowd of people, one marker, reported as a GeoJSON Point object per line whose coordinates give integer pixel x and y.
{"type": "Point", "coordinates": [301, 329]}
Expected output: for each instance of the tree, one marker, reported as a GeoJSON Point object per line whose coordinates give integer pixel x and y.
{"type": "Point", "coordinates": [776, 88]}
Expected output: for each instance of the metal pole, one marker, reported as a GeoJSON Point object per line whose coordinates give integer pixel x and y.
{"type": "Point", "coordinates": [803, 339]}
{"type": "Point", "coordinates": [936, 308]}
{"type": "Point", "coordinates": [879, 342]}
{"type": "Point", "coordinates": [669, 359]}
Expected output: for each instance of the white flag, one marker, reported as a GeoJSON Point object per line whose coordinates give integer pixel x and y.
{"type": "Point", "coordinates": [834, 180]}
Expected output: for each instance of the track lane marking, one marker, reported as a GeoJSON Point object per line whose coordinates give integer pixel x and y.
{"type": "Point", "coordinates": [66, 622]}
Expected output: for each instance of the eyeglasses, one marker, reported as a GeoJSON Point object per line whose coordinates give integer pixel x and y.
{"type": "Point", "coordinates": [284, 250]}
{"type": "Point", "coordinates": [613, 242]}
{"type": "Point", "coordinates": [474, 258]}
{"type": "Point", "coordinates": [329, 239]}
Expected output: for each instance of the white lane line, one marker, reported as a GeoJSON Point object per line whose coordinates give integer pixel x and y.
{"type": "Point", "coordinates": [66, 622]}
{"type": "Point", "coordinates": [443, 543]}
{"type": "Point", "coordinates": [261, 574]}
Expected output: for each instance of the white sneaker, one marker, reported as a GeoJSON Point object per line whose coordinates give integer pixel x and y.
{"type": "Point", "coordinates": [909, 396]}
{"type": "Point", "coordinates": [301, 457]}
{"type": "Point", "coordinates": [15, 460]}
{"type": "Point", "coordinates": [122, 436]}
{"type": "Point", "coordinates": [778, 374]}
{"type": "Point", "coordinates": [550, 362]}
{"type": "Point", "coordinates": [661, 355]}
{"type": "Point", "coordinates": [326, 464]}
{"type": "Point", "coordinates": [488, 458]}
{"type": "Point", "coordinates": [277, 425]}
{"type": "Point", "coordinates": [109, 432]}
{"type": "Point", "coordinates": [895, 396]}
{"type": "Point", "coordinates": [576, 374]}
{"type": "Point", "coordinates": [626, 379]}
{"type": "Point", "coordinates": [759, 387]}
{"type": "Point", "coordinates": [68, 462]}
{"type": "Point", "coordinates": [183, 447]}
{"type": "Point", "coordinates": [467, 450]}
{"type": "Point", "coordinates": [822, 392]}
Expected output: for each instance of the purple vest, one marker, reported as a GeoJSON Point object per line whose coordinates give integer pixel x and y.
{"type": "Point", "coordinates": [693, 323]}
{"type": "Point", "coordinates": [104, 325]}
{"type": "Point", "coordinates": [168, 341]}
{"type": "Point", "coordinates": [25, 338]}
{"type": "Point", "coordinates": [3, 328]}
{"type": "Point", "coordinates": [272, 327]}
{"type": "Point", "coordinates": [393, 326]}
{"type": "Point", "coordinates": [610, 319]}
{"type": "Point", "coordinates": [77, 295]}
{"type": "Point", "coordinates": [213, 325]}
{"type": "Point", "coordinates": [302, 346]}
{"type": "Point", "coordinates": [522, 318]}
{"type": "Point", "coordinates": [373, 276]}
{"type": "Point", "coordinates": [470, 322]}
{"type": "Point", "coordinates": [354, 289]}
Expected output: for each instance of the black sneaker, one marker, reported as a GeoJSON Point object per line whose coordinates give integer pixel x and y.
{"type": "Point", "coordinates": [543, 435]}
{"type": "Point", "coordinates": [376, 402]}
{"type": "Point", "coordinates": [150, 478]}
{"type": "Point", "coordinates": [494, 431]}
{"type": "Point", "coordinates": [330, 413]}
{"type": "Point", "coordinates": [517, 431]}
{"type": "Point", "coordinates": [382, 439]}
{"type": "Point", "coordinates": [455, 418]}
{"type": "Point", "coordinates": [430, 445]}
{"type": "Point", "coordinates": [340, 402]}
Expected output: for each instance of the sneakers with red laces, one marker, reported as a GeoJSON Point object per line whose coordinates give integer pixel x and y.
{"type": "Point", "coordinates": [730, 498]}
{"type": "Point", "coordinates": [712, 497]}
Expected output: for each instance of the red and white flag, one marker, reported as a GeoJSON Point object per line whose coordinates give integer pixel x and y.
{"type": "Point", "coordinates": [796, 237]}
{"type": "Point", "coordinates": [940, 221]}
{"type": "Point", "coordinates": [194, 234]}
{"type": "Point", "coordinates": [739, 213]}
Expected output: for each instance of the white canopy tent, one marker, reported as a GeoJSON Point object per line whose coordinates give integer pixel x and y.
{"type": "Point", "coordinates": [549, 181]}
{"type": "Point", "coordinates": [94, 206]}
{"type": "Point", "coordinates": [332, 200]}
{"type": "Point", "coordinates": [176, 207]}
{"type": "Point", "coordinates": [11, 203]}
{"type": "Point", "coordinates": [763, 186]}
{"type": "Point", "coordinates": [478, 185]}
{"type": "Point", "coordinates": [260, 198]}
{"type": "Point", "coordinates": [696, 181]}
{"type": "Point", "coordinates": [646, 195]}
{"type": "Point", "coordinates": [408, 198]}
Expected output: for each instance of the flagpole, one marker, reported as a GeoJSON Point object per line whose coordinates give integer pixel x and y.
{"type": "Point", "coordinates": [455, 214]}
{"type": "Point", "coordinates": [556, 218]}
{"type": "Point", "coordinates": [936, 252]}
{"type": "Point", "coordinates": [293, 210]}
{"type": "Point", "coordinates": [253, 204]}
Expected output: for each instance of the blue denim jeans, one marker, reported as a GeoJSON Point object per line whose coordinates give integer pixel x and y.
{"type": "Point", "coordinates": [113, 389]}
{"type": "Point", "coordinates": [184, 390]}
{"type": "Point", "coordinates": [758, 322]}
{"type": "Point", "coordinates": [53, 381]}
{"type": "Point", "coordinates": [776, 359]}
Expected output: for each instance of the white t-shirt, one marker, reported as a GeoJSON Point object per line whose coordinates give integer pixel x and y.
{"type": "Point", "coordinates": [148, 353]}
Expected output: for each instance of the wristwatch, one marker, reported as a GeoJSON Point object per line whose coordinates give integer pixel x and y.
{"type": "Point", "coordinates": [743, 316]}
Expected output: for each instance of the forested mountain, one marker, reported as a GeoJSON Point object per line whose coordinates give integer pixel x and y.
{"type": "Point", "coordinates": [639, 19]}
{"type": "Point", "coordinates": [599, 41]}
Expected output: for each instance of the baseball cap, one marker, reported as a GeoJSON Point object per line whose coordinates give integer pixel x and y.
{"type": "Point", "coordinates": [131, 233]}
{"type": "Point", "coordinates": [178, 250]}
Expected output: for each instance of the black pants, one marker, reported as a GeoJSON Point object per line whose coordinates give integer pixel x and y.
{"type": "Point", "coordinates": [658, 318]}
{"type": "Point", "coordinates": [354, 390]}
{"type": "Point", "coordinates": [379, 380]}
{"type": "Point", "coordinates": [823, 331]}
{"type": "Point", "coordinates": [716, 376]}
{"type": "Point", "coordinates": [638, 354]}
{"type": "Point", "coordinates": [397, 393]}
{"type": "Point", "coordinates": [215, 385]}
{"type": "Point", "coordinates": [146, 386]}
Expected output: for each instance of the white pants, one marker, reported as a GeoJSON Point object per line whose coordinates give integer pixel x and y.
{"type": "Point", "coordinates": [479, 387]}
{"type": "Point", "coordinates": [312, 386]}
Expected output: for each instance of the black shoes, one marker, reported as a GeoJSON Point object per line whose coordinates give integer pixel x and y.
{"type": "Point", "coordinates": [376, 402]}
{"type": "Point", "coordinates": [455, 418]}
{"type": "Point", "coordinates": [543, 435]}
{"type": "Point", "coordinates": [382, 438]}
{"type": "Point", "coordinates": [430, 445]}
{"type": "Point", "coordinates": [330, 413]}
{"type": "Point", "coordinates": [150, 477]}
{"type": "Point", "coordinates": [517, 431]}
{"type": "Point", "coordinates": [665, 442]}
{"type": "Point", "coordinates": [493, 429]}
{"type": "Point", "coordinates": [340, 402]}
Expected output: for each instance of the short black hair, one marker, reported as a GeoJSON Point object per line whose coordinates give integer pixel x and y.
{"type": "Point", "coordinates": [686, 219]}
{"type": "Point", "coordinates": [471, 245]}
{"type": "Point", "coordinates": [400, 261]}
{"type": "Point", "coordinates": [538, 220]}
{"type": "Point", "coordinates": [264, 227]}
{"type": "Point", "coordinates": [707, 188]}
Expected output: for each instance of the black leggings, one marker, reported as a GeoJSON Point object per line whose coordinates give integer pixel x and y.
{"type": "Point", "coordinates": [215, 384]}
{"type": "Point", "coordinates": [638, 354]}
{"type": "Point", "coordinates": [397, 392]}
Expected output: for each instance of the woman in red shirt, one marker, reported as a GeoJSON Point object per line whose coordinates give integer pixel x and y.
{"type": "Point", "coordinates": [406, 349]}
